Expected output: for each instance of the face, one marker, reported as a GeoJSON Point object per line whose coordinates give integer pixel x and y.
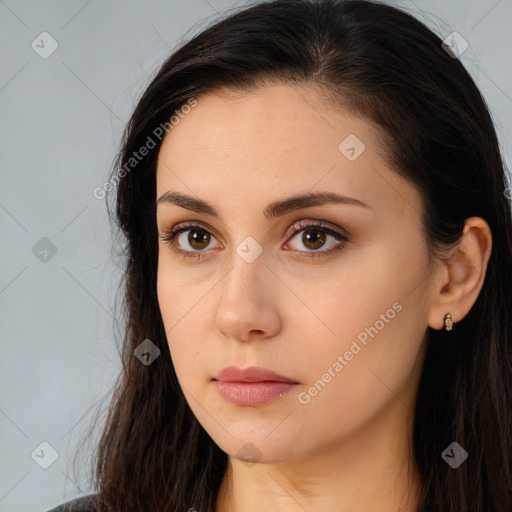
{"type": "Point", "coordinates": [328, 294]}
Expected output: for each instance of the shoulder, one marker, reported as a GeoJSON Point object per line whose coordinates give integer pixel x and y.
{"type": "Point", "coordinates": [82, 504]}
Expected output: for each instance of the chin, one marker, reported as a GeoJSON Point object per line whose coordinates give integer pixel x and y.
{"type": "Point", "coordinates": [258, 447]}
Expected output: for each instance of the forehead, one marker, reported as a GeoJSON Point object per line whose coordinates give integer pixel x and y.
{"type": "Point", "coordinates": [281, 116]}
{"type": "Point", "coordinates": [274, 141]}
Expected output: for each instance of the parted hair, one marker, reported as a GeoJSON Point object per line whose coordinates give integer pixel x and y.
{"type": "Point", "coordinates": [383, 64]}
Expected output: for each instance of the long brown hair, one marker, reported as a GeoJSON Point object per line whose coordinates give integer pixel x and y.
{"type": "Point", "coordinates": [383, 64]}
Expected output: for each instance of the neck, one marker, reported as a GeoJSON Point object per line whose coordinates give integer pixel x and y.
{"type": "Point", "coordinates": [372, 470]}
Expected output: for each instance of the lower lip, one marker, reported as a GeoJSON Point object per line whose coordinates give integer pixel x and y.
{"type": "Point", "coordinates": [252, 394]}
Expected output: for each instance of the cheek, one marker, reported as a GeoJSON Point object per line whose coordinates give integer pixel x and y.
{"type": "Point", "coordinates": [377, 324]}
{"type": "Point", "coordinates": [352, 381]}
{"type": "Point", "coordinates": [173, 309]}
{"type": "Point", "coordinates": [184, 315]}
{"type": "Point", "coordinates": [167, 302]}
{"type": "Point", "coordinates": [351, 298]}
{"type": "Point", "coordinates": [180, 293]}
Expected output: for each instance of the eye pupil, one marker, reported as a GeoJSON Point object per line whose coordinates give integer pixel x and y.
{"type": "Point", "coordinates": [308, 239]}
{"type": "Point", "coordinates": [195, 238]}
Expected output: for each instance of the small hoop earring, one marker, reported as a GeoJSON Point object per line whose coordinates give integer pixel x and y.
{"type": "Point", "coordinates": [448, 321]}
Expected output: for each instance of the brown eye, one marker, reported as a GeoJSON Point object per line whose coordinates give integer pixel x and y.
{"type": "Point", "coordinates": [189, 241]}
{"type": "Point", "coordinates": [197, 238]}
{"type": "Point", "coordinates": [194, 241]}
{"type": "Point", "coordinates": [315, 237]}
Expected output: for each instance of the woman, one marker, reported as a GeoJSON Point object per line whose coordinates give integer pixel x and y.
{"type": "Point", "coordinates": [318, 275]}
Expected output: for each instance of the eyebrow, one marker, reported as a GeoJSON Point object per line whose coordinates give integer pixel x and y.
{"type": "Point", "coordinates": [273, 210]}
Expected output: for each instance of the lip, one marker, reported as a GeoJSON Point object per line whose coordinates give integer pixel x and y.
{"type": "Point", "coordinates": [251, 374]}
{"type": "Point", "coordinates": [252, 387]}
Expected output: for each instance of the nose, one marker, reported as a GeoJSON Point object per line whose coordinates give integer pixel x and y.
{"type": "Point", "coordinates": [248, 306]}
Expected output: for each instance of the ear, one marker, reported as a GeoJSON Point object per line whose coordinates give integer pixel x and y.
{"type": "Point", "coordinates": [460, 278]}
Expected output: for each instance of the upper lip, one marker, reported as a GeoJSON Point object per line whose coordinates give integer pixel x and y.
{"type": "Point", "coordinates": [251, 374]}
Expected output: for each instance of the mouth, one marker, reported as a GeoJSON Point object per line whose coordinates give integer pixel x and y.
{"type": "Point", "coordinates": [252, 387]}
{"type": "Point", "coordinates": [251, 374]}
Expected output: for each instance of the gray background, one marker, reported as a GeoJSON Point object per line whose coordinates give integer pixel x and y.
{"type": "Point", "coordinates": [61, 121]}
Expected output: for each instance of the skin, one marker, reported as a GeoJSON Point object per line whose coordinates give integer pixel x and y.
{"type": "Point", "coordinates": [349, 447]}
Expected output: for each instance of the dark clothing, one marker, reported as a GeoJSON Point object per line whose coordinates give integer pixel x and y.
{"type": "Point", "coordinates": [82, 504]}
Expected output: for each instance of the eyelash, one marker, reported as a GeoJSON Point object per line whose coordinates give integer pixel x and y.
{"type": "Point", "coordinates": [168, 236]}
